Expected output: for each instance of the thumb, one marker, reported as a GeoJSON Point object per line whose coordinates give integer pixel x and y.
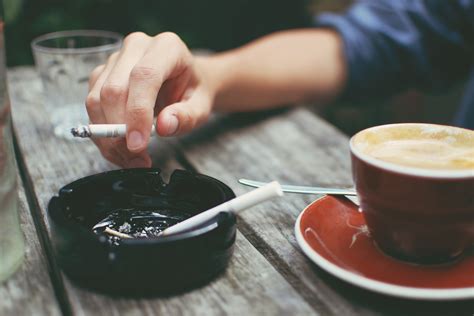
{"type": "Point", "coordinates": [182, 117]}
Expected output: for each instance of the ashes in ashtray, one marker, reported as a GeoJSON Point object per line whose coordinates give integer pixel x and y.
{"type": "Point", "coordinates": [136, 223]}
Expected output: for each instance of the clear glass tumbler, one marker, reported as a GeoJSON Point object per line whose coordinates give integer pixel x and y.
{"type": "Point", "coordinates": [64, 61]}
{"type": "Point", "coordinates": [11, 238]}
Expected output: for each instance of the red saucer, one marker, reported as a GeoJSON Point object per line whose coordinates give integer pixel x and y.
{"type": "Point", "coordinates": [333, 234]}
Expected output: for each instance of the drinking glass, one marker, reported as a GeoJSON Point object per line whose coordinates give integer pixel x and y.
{"type": "Point", "coordinates": [64, 61]}
{"type": "Point", "coordinates": [11, 237]}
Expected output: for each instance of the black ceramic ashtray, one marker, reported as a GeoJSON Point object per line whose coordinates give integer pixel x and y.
{"type": "Point", "coordinates": [137, 202]}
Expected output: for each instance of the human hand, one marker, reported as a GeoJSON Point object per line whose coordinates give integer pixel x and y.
{"type": "Point", "coordinates": [149, 77]}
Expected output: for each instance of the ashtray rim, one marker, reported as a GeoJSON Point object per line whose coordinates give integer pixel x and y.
{"type": "Point", "coordinates": [59, 218]}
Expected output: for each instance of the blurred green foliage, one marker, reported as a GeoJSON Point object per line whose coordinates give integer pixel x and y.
{"type": "Point", "coordinates": [12, 9]}
{"type": "Point", "coordinates": [211, 24]}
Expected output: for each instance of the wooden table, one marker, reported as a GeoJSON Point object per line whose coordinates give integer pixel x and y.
{"type": "Point", "coordinates": [268, 274]}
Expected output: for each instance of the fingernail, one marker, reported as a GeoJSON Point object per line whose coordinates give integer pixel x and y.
{"type": "Point", "coordinates": [137, 163]}
{"type": "Point", "coordinates": [135, 140]}
{"type": "Point", "coordinates": [172, 124]}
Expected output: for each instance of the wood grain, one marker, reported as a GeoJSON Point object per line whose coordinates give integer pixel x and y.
{"type": "Point", "coordinates": [250, 285]}
{"type": "Point", "coordinates": [294, 147]}
{"type": "Point", "coordinates": [29, 291]}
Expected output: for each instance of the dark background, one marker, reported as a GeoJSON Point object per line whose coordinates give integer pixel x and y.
{"type": "Point", "coordinates": [217, 25]}
{"type": "Point", "coordinates": [211, 24]}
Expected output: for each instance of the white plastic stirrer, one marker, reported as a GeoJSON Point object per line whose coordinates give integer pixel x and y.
{"type": "Point", "coordinates": [268, 191]}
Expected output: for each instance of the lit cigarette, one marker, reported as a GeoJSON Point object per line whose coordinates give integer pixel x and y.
{"type": "Point", "coordinates": [268, 191]}
{"type": "Point", "coordinates": [103, 130]}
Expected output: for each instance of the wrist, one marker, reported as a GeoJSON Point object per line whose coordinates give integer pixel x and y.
{"type": "Point", "coordinates": [216, 74]}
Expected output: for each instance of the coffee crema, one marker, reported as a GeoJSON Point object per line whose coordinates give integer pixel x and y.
{"type": "Point", "coordinates": [425, 146]}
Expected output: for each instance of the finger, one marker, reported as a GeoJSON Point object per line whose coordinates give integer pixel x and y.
{"type": "Point", "coordinates": [114, 92]}
{"type": "Point", "coordinates": [181, 117]}
{"type": "Point", "coordinates": [172, 91]}
{"type": "Point", "coordinates": [115, 151]}
{"type": "Point", "coordinates": [110, 153]}
{"type": "Point", "coordinates": [145, 81]}
{"type": "Point", "coordinates": [143, 160]}
{"type": "Point", "coordinates": [93, 107]}
{"type": "Point", "coordinates": [114, 96]}
{"type": "Point", "coordinates": [95, 75]}
{"type": "Point", "coordinates": [93, 103]}
{"type": "Point", "coordinates": [128, 159]}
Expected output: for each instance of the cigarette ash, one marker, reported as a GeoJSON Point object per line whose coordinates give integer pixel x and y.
{"type": "Point", "coordinates": [138, 223]}
{"type": "Point", "coordinates": [82, 131]}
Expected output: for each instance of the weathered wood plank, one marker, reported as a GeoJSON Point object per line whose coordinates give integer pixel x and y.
{"type": "Point", "coordinates": [29, 291]}
{"type": "Point", "coordinates": [293, 147]}
{"type": "Point", "coordinates": [250, 285]}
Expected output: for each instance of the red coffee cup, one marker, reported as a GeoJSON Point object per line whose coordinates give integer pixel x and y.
{"type": "Point", "coordinates": [416, 214]}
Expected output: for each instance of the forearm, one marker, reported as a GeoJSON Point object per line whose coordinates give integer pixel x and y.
{"type": "Point", "coordinates": [279, 69]}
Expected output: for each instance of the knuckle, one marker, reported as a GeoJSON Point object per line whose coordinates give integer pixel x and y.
{"type": "Point", "coordinates": [173, 43]}
{"type": "Point", "coordinates": [140, 72]}
{"type": "Point", "coordinates": [135, 36]}
{"type": "Point", "coordinates": [113, 93]}
{"type": "Point", "coordinates": [92, 102]}
{"type": "Point", "coordinates": [169, 37]}
{"type": "Point", "coordinates": [137, 111]}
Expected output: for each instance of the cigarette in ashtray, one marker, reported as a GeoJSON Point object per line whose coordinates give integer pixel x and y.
{"type": "Point", "coordinates": [243, 202]}
{"type": "Point", "coordinates": [264, 193]}
{"type": "Point", "coordinates": [115, 233]}
{"type": "Point", "coordinates": [102, 130]}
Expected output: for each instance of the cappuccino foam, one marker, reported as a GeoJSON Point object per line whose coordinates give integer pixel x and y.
{"type": "Point", "coordinates": [419, 145]}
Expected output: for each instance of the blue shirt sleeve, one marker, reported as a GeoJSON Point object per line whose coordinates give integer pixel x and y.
{"type": "Point", "coordinates": [392, 45]}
